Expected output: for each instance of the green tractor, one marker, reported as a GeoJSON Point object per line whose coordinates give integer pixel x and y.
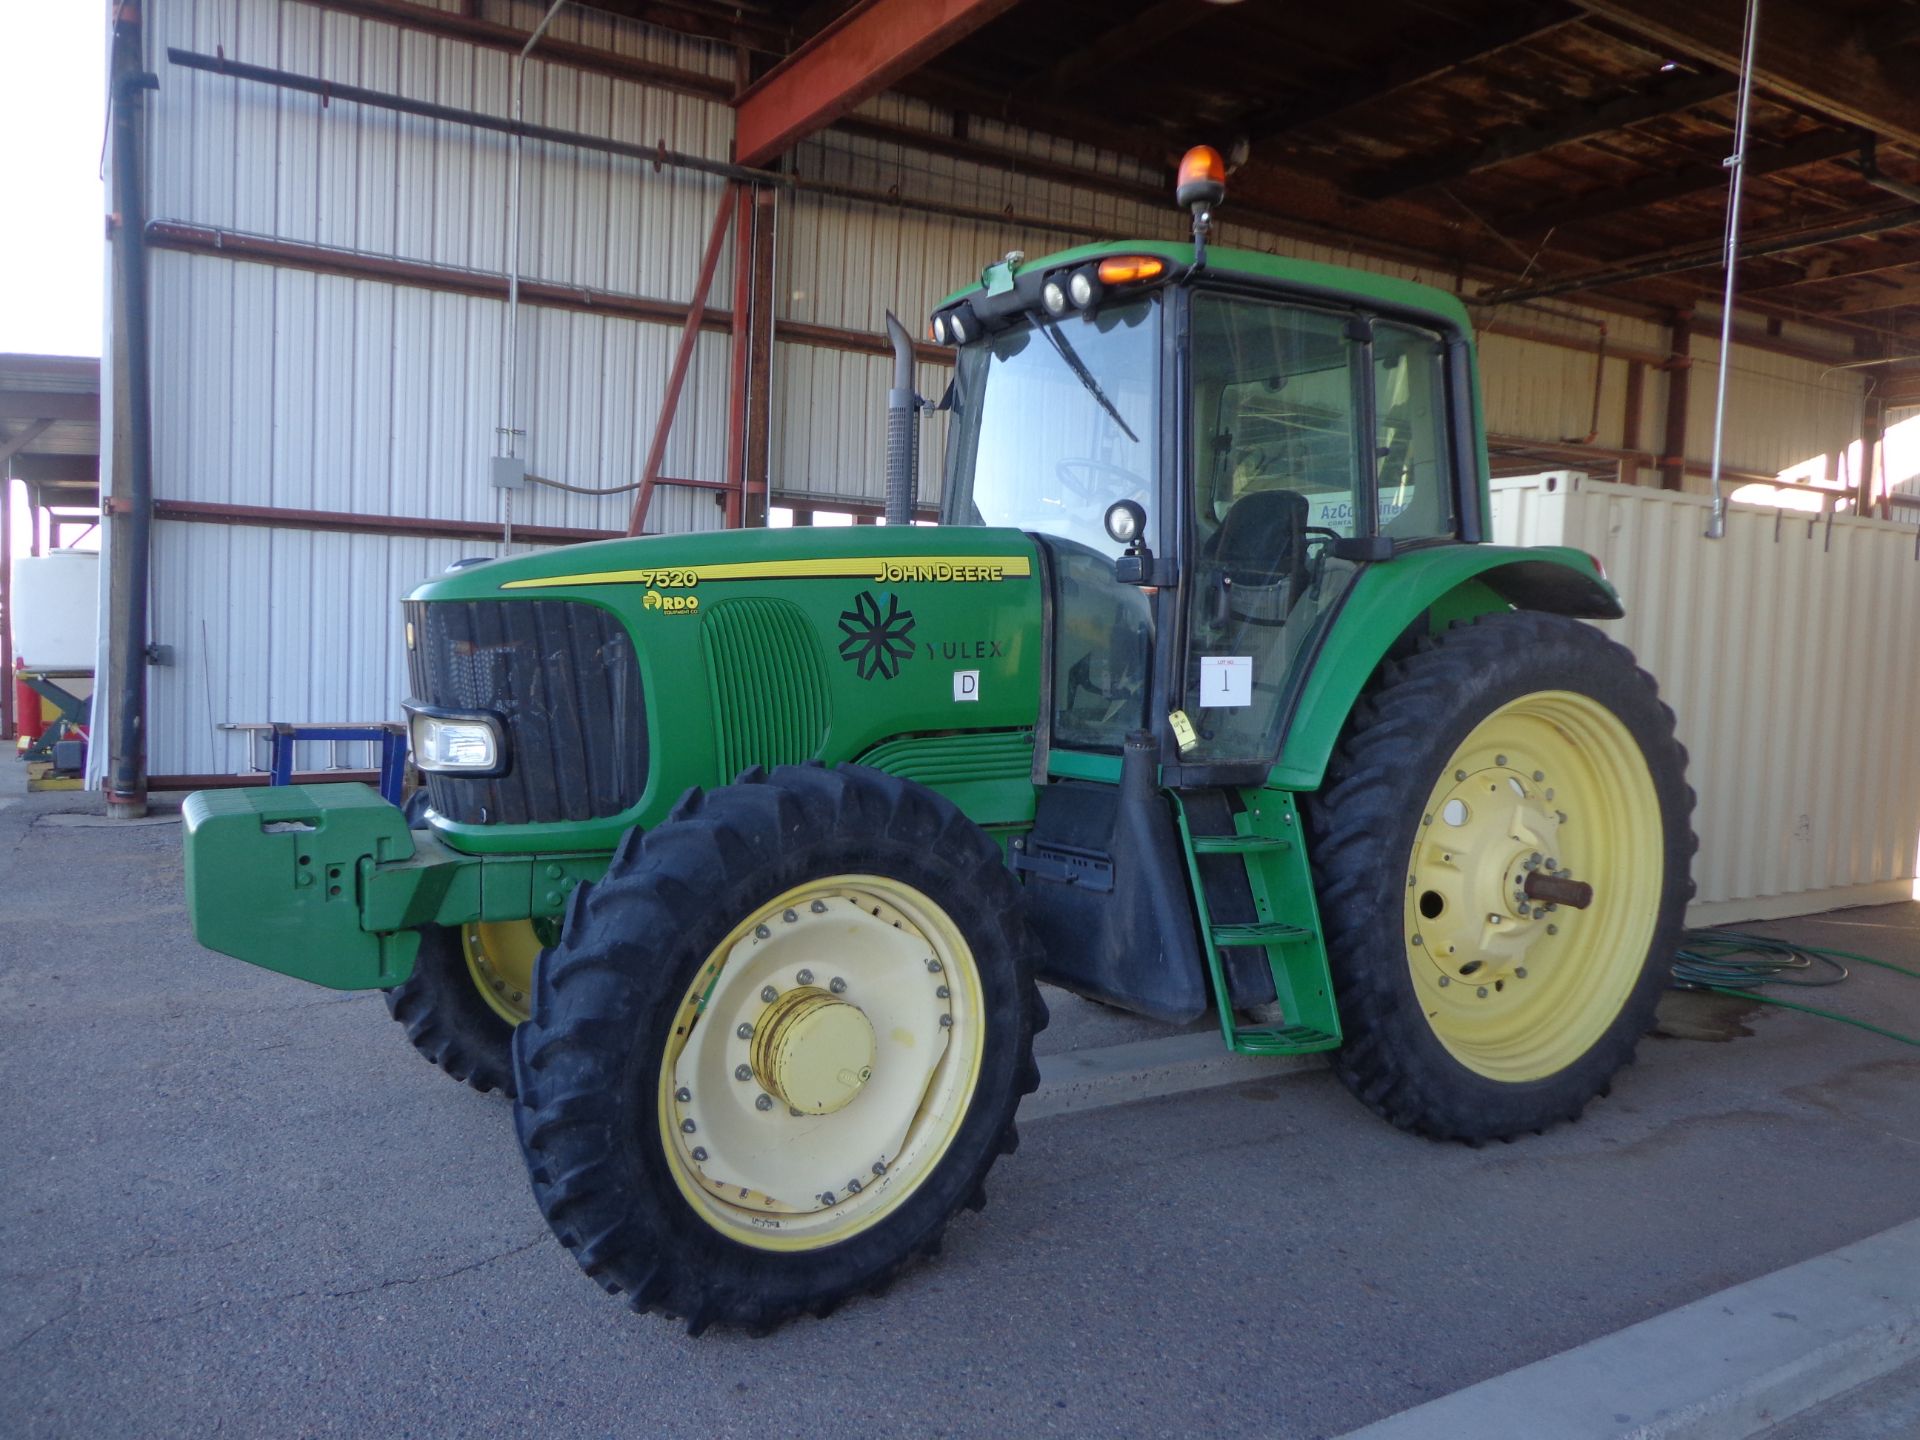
{"type": "Point", "coordinates": [745, 851]}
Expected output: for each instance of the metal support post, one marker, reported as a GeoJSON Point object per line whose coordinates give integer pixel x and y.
{"type": "Point", "coordinates": [682, 356]}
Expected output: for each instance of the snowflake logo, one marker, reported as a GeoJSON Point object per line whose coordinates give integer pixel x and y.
{"type": "Point", "coordinates": [876, 643]}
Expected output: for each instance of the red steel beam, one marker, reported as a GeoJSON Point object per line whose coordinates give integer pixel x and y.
{"type": "Point", "coordinates": [737, 361]}
{"type": "Point", "coordinates": [682, 357]}
{"type": "Point", "coordinates": [856, 57]}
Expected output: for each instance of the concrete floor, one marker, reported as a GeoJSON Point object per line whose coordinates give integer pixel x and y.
{"type": "Point", "coordinates": [238, 1204]}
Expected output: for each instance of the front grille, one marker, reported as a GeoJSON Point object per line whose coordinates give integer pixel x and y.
{"type": "Point", "coordinates": [563, 678]}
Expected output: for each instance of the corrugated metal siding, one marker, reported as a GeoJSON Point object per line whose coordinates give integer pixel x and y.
{"type": "Point", "coordinates": [286, 388]}
{"type": "Point", "coordinates": [1781, 411]}
{"type": "Point", "coordinates": [1782, 650]}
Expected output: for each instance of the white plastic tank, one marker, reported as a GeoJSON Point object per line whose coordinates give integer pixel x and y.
{"type": "Point", "coordinates": [56, 607]}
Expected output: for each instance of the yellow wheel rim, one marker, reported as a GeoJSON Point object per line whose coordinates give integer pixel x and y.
{"type": "Point", "coordinates": [1551, 784]}
{"type": "Point", "coordinates": [500, 956]}
{"type": "Point", "coordinates": [821, 1062]}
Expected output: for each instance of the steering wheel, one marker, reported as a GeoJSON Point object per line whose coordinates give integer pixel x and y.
{"type": "Point", "coordinates": [1085, 487]}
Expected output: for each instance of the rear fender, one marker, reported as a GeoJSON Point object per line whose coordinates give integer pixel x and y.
{"type": "Point", "coordinates": [1430, 588]}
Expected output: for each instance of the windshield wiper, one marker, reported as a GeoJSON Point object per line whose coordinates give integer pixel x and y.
{"type": "Point", "coordinates": [1079, 368]}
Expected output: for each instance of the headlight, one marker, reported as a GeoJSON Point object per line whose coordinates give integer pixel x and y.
{"type": "Point", "coordinates": [447, 742]}
{"type": "Point", "coordinates": [1054, 298]}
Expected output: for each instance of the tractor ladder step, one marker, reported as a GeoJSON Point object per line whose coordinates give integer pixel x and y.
{"type": "Point", "coordinates": [1259, 932]}
{"type": "Point", "coordinates": [1282, 1040]}
{"type": "Point", "coordinates": [1266, 840]}
{"type": "Point", "coordinates": [1240, 844]}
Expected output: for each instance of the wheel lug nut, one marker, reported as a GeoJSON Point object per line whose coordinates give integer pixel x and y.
{"type": "Point", "coordinates": [683, 1095]}
{"type": "Point", "coordinates": [769, 994]}
{"type": "Point", "coordinates": [853, 1187]}
{"type": "Point", "coordinates": [879, 1167]}
{"type": "Point", "coordinates": [803, 977]}
{"type": "Point", "coordinates": [826, 1197]}
{"type": "Point", "coordinates": [744, 1030]}
{"type": "Point", "coordinates": [946, 1022]}
{"type": "Point", "coordinates": [1482, 992]}
{"type": "Point", "coordinates": [1445, 980]}
{"type": "Point", "coordinates": [762, 931]}
{"type": "Point", "coordinates": [1553, 929]}
{"type": "Point", "coordinates": [743, 1072]}
{"type": "Point", "coordinates": [933, 966]}
{"type": "Point", "coordinates": [688, 1127]}
{"type": "Point", "coordinates": [1418, 941]}
{"type": "Point", "coordinates": [942, 992]}
{"type": "Point", "coordinates": [837, 985]}
{"type": "Point", "coordinates": [1552, 864]}
{"type": "Point", "coordinates": [819, 907]}
{"type": "Point", "coordinates": [1533, 861]}
{"type": "Point", "coordinates": [1519, 972]}
{"type": "Point", "coordinates": [699, 1153]}
{"type": "Point", "coordinates": [763, 1102]}
{"type": "Point", "coordinates": [1500, 760]}
{"type": "Point", "coordinates": [1459, 774]}
{"type": "Point", "coordinates": [789, 917]}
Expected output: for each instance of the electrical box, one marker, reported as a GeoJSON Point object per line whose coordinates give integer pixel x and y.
{"type": "Point", "coordinates": [509, 472]}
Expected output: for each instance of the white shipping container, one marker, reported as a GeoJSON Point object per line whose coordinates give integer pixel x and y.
{"type": "Point", "coordinates": [56, 607]}
{"type": "Point", "coordinates": [1782, 651]}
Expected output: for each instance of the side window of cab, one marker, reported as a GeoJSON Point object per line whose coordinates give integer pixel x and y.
{"type": "Point", "coordinates": [1413, 457]}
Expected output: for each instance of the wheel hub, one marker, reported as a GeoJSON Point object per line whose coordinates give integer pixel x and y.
{"type": "Point", "coordinates": [813, 1051]}
{"type": "Point", "coordinates": [820, 1055]}
{"type": "Point", "coordinates": [1486, 832]}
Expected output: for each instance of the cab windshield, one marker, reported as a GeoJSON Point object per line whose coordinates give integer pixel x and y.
{"type": "Point", "coordinates": [1053, 421]}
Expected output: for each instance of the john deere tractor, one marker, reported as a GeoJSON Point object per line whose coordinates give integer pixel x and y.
{"type": "Point", "coordinates": [745, 851]}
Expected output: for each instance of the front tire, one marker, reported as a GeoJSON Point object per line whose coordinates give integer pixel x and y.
{"type": "Point", "coordinates": [469, 988]}
{"type": "Point", "coordinates": [1519, 749]}
{"type": "Point", "coordinates": [777, 1046]}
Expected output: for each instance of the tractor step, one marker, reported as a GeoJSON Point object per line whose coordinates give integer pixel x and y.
{"type": "Point", "coordinates": [1283, 1040]}
{"type": "Point", "coordinates": [1266, 831]}
{"type": "Point", "coordinates": [1240, 844]}
{"type": "Point", "coordinates": [1260, 932]}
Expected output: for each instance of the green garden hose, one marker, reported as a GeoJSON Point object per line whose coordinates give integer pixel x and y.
{"type": "Point", "coordinates": [1734, 962]}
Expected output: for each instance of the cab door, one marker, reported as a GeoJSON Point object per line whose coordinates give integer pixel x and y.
{"type": "Point", "coordinates": [1312, 430]}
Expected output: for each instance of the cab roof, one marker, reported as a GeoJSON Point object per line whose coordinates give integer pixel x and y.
{"type": "Point", "coordinates": [1327, 281]}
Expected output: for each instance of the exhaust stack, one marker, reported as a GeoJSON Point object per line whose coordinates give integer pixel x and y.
{"type": "Point", "coordinates": [903, 428]}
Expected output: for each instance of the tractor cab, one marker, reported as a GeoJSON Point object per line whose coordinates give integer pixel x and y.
{"type": "Point", "coordinates": [1208, 446]}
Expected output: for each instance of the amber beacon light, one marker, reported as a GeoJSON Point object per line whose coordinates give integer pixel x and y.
{"type": "Point", "coordinates": [1203, 179]}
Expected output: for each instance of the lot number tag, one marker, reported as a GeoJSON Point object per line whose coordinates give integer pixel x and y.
{"type": "Point", "coordinates": [1226, 680]}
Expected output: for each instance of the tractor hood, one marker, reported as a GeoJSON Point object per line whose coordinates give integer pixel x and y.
{"type": "Point", "coordinates": [623, 672]}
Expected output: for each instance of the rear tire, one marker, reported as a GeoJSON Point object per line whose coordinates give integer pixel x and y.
{"type": "Point", "coordinates": [447, 1018]}
{"type": "Point", "coordinates": [1516, 745]}
{"type": "Point", "coordinates": [652, 1040]}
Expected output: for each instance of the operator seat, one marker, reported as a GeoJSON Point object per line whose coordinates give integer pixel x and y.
{"type": "Point", "coordinates": [1260, 551]}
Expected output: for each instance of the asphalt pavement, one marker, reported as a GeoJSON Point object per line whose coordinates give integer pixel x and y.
{"type": "Point", "coordinates": [236, 1204]}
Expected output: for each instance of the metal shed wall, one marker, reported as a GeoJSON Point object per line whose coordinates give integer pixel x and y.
{"type": "Point", "coordinates": [283, 387]}
{"type": "Point", "coordinates": [1781, 650]}
{"type": "Point", "coordinates": [286, 388]}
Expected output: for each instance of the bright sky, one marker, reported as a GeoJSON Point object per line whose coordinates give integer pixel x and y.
{"type": "Point", "coordinates": [52, 117]}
